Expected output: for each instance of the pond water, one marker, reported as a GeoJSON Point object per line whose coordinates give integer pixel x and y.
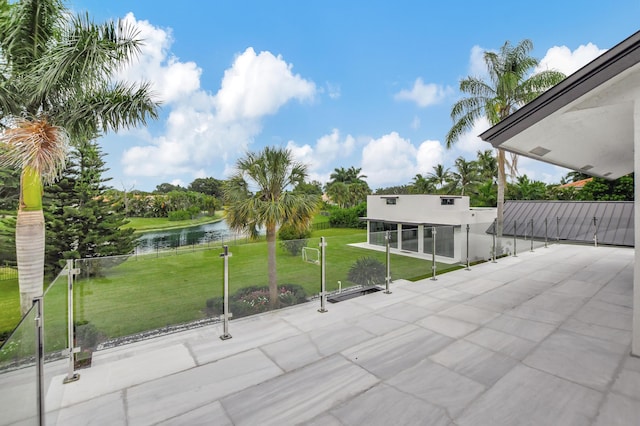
{"type": "Point", "coordinates": [171, 238]}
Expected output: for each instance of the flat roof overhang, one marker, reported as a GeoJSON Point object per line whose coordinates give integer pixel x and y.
{"type": "Point", "coordinates": [583, 123]}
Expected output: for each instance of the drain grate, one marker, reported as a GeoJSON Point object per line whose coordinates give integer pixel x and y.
{"type": "Point", "coordinates": [346, 295]}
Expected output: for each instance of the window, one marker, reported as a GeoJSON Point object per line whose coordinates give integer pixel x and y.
{"type": "Point", "coordinates": [447, 201]}
{"type": "Point", "coordinates": [391, 201]}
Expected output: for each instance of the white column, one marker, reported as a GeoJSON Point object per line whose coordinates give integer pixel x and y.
{"type": "Point", "coordinates": [399, 236]}
{"type": "Point", "coordinates": [635, 346]}
{"type": "Point", "coordinates": [421, 239]}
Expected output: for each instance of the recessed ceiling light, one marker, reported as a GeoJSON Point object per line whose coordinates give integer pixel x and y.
{"type": "Point", "coordinates": [539, 151]}
{"type": "Point", "coordinates": [606, 174]}
{"type": "Point", "coordinates": [587, 167]}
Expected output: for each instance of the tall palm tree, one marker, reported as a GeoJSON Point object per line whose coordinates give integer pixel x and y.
{"type": "Point", "coordinates": [257, 196]}
{"type": "Point", "coordinates": [487, 165]}
{"type": "Point", "coordinates": [56, 88]}
{"type": "Point", "coordinates": [440, 176]}
{"type": "Point", "coordinates": [466, 174]}
{"type": "Point", "coordinates": [422, 185]}
{"type": "Point", "coordinates": [510, 86]}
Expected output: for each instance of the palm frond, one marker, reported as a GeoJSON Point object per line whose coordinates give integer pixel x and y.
{"type": "Point", "coordinates": [35, 144]}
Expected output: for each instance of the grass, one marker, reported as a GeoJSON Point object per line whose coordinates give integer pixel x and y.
{"type": "Point", "coordinates": [147, 224]}
{"type": "Point", "coordinates": [140, 293]}
{"type": "Point", "coordinates": [9, 304]}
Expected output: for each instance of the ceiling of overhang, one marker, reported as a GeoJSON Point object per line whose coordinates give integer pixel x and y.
{"type": "Point", "coordinates": [593, 134]}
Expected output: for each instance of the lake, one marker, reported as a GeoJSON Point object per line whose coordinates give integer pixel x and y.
{"type": "Point", "coordinates": [192, 235]}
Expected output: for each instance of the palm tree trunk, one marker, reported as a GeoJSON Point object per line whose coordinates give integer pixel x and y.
{"type": "Point", "coordinates": [271, 262]}
{"type": "Point", "coordinates": [30, 256]}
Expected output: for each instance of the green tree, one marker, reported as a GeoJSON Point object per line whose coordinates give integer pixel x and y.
{"type": "Point", "coordinates": [165, 188]}
{"type": "Point", "coordinates": [465, 175]}
{"type": "Point", "coordinates": [440, 176]}
{"type": "Point", "coordinates": [510, 86]}
{"type": "Point", "coordinates": [257, 196]}
{"type": "Point", "coordinates": [313, 188]}
{"type": "Point", "coordinates": [82, 222]}
{"type": "Point", "coordinates": [9, 189]}
{"type": "Point", "coordinates": [600, 189]}
{"type": "Point", "coordinates": [347, 187]}
{"type": "Point", "coordinates": [487, 165]}
{"type": "Point", "coordinates": [58, 84]}
{"type": "Point", "coordinates": [422, 185]}
{"type": "Point", "coordinates": [209, 186]}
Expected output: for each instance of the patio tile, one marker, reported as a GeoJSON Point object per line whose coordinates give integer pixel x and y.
{"type": "Point", "coordinates": [439, 385]}
{"type": "Point", "coordinates": [577, 288]}
{"type": "Point", "coordinates": [478, 286]}
{"type": "Point", "coordinates": [180, 393]}
{"type": "Point", "coordinates": [525, 328]}
{"type": "Point", "coordinates": [377, 324]}
{"type": "Point", "coordinates": [384, 405]}
{"type": "Point", "coordinates": [475, 362]}
{"type": "Point", "coordinates": [387, 355]}
{"type": "Point", "coordinates": [431, 303]}
{"type": "Point", "coordinates": [606, 314]}
{"type": "Point", "coordinates": [628, 384]}
{"type": "Point", "coordinates": [558, 303]}
{"type": "Point", "coordinates": [512, 346]}
{"type": "Point", "coordinates": [106, 410]}
{"type": "Point", "coordinates": [210, 414]}
{"type": "Point", "coordinates": [539, 315]}
{"type": "Point", "coordinates": [622, 337]}
{"type": "Point", "coordinates": [499, 300]}
{"type": "Point", "coordinates": [470, 314]}
{"type": "Point", "coordinates": [335, 338]}
{"type": "Point", "coordinates": [581, 359]}
{"type": "Point", "coordinates": [280, 352]}
{"type": "Point", "coordinates": [324, 420]}
{"type": "Point", "coordinates": [300, 395]}
{"type": "Point", "coordinates": [619, 410]}
{"type": "Point", "coordinates": [625, 300]}
{"type": "Point", "coordinates": [405, 312]}
{"type": "Point", "coordinates": [632, 363]}
{"type": "Point", "coordinates": [447, 326]}
{"type": "Point", "coordinates": [525, 396]}
{"type": "Point", "coordinates": [451, 295]}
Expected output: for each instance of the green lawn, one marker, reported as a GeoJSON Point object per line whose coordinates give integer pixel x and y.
{"type": "Point", "coordinates": [139, 293]}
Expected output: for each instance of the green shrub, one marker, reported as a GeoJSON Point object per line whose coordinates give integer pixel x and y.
{"type": "Point", "coordinates": [179, 215]}
{"type": "Point", "coordinates": [255, 299]}
{"type": "Point", "coordinates": [367, 271]}
{"type": "Point", "coordinates": [293, 240]}
{"type": "Point", "coordinates": [350, 217]}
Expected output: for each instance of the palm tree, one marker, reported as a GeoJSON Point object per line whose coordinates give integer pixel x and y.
{"type": "Point", "coordinates": [487, 165]}
{"type": "Point", "coordinates": [56, 87]}
{"type": "Point", "coordinates": [422, 185]}
{"type": "Point", "coordinates": [440, 176]}
{"type": "Point", "coordinates": [256, 196]}
{"type": "Point", "coordinates": [509, 87]}
{"type": "Point", "coordinates": [466, 174]}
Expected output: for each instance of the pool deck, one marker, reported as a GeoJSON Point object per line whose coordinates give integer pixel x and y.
{"type": "Point", "coordinates": [539, 339]}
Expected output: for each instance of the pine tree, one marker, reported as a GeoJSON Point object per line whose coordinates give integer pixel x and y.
{"type": "Point", "coordinates": [82, 221]}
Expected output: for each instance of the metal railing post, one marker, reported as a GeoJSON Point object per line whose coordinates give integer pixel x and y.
{"type": "Point", "coordinates": [433, 253]}
{"type": "Point", "coordinates": [387, 237]}
{"type": "Point", "coordinates": [495, 231]}
{"type": "Point", "coordinates": [531, 236]}
{"type": "Point", "coordinates": [545, 233]}
{"type": "Point", "coordinates": [557, 228]}
{"type": "Point", "coordinates": [72, 376]}
{"type": "Point", "coordinates": [39, 352]}
{"type": "Point", "coordinates": [515, 232]}
{"type": "Point", "coordinates": [323, 277]}
{"type": "Point", "coordinates": [595, 231]}
{"type": "Point", "coordinates": [468, 268]}
{"type": "Point", "coordinates": [225, 259]}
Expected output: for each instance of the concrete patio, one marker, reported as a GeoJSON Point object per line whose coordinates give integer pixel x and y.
{"type": "Point", "coordinates": [539, 339]}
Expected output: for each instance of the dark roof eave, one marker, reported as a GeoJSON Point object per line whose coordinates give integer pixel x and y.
{"type": "Point", "coordinates": [622, 56]}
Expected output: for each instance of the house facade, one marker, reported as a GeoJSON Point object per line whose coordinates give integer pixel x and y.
{"type": "Point", "coordinates": [420, 223]}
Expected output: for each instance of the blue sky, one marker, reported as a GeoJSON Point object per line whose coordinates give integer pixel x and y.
{"type": "Point", "coordinates": [368, 84]}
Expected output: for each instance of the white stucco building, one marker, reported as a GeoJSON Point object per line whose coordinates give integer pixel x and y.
{"type": "Point", "coordinates": [413, 218]}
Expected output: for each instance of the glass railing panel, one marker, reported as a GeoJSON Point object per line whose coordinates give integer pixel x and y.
{"type": "Point", "coordinates": [128, 298]}
{"type": "Point", "coordinates": [18, 375]}
{"type": "Point", "coordinates": [481, 242]}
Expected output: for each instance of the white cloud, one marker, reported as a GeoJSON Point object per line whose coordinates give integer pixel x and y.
{"type": "Point", "coordinates": [424, 94]}
{"type": "Point", "coordinates": [470, 142]}
{"type": "Point", "coordinates": [201, 129]}
{"type": "Point", "coordinates": [171, 79]}
{"type": "Point", "coordinates": [561, 58]}
{"type": "Point", "coordinates": [415, 123]}
{"type": "Point", "coordinates": [477, 65]}
{"type": "Point", "coordinates": [392, 159]}
{"type": "Point", "coordinates": [322, 157]}
{"type": "Point", "coordinates": [333, 90]}
{"type": "Point", "coordinates": [258, 85]}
